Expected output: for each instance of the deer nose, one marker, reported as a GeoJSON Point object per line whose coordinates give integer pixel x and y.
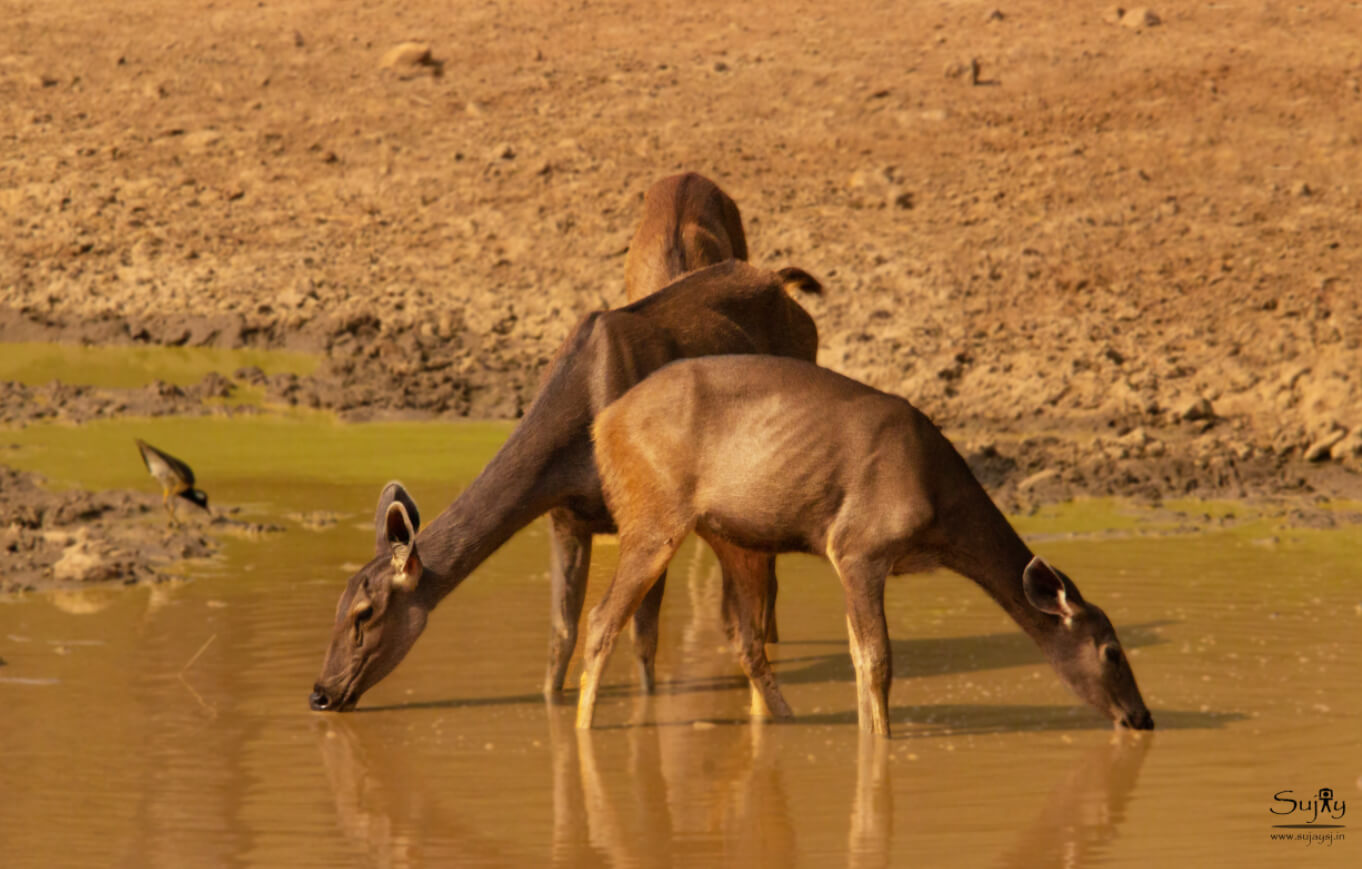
{"type": "Point", "coordinates": [1141, 720]}
{"type": "Point", "coordinates": [318, 699]}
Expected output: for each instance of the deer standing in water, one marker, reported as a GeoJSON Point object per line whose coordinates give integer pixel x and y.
{"type": "Point", "coordinates": [546, 465]}
{"type": "Point", "coordinates": [779, 455]}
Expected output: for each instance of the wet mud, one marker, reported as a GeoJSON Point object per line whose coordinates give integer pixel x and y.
{"type": "Point", "coordinates": [53, 540]}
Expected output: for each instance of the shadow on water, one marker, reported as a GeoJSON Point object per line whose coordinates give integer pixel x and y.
{"type": "Point", "coordinates": [942, 656]}
{"type": "Point", "coordinates": [918, 657]}
{"type": "Point", "coordinates": [964, 719]}
{"type": "Point", "coordinates": [617, 795]}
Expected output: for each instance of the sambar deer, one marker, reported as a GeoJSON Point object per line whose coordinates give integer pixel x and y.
{"type": "Point", "coordinates": [779, 455]}
{"type": "Point", "coordinates": [546, 466]}
{"type": "Point", "coordinates": [688, 223]}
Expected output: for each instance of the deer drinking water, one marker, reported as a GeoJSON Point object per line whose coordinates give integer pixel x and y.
{"type": "Point", "coordinates": [546, 466]}
{"type": "Point", "coordinates": [779, 455]}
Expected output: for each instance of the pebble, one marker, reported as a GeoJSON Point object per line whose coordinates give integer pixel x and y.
{"type": "Point", "coordinates": [1036, 479]}
{"type": "Point", "coordinates": [1198, 408]}
{"type": "Point", "coordinates": [1320, 449]}
{"type": "Point", "coordinates": [1141, 17]}
{"type": "Point", "coordinates": [409, 59]}
{"type": "Point", "coordinates": [405, 54]}
{"type": "Point", "coordinates": [1348, 447]}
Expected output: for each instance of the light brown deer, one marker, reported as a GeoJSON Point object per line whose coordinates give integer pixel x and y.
{"type": "Point", "coordinates": [779, 455]}
{"type": "Point", "coordinates": [546, 466]}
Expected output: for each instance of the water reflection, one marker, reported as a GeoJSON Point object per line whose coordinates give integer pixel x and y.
{"type": "Point", "coordinates": [386, 808]}
{"type": "Point", "coordinates": [872, 811]}
{"type": "Point", "coordinates": [676, 784]}
{"type": "Point", "coordinates": [657, 795]}
{"type": "Point", "coordinates": [1083, 815]}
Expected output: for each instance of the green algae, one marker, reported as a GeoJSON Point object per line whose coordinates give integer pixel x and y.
{"type": "Point", "coordinates": [237, 458]}
{"type": "Point", "coordinates": [121, 367]}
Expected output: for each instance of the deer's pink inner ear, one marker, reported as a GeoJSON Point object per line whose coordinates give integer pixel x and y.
{"type": "Point", "coordinates": [406, 566]}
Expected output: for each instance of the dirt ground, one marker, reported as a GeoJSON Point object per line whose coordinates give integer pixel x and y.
{"type": "Point", "coordinates": [1107, 252]}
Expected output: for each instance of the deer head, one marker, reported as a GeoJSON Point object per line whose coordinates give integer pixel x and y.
{"type": "Point", "coordinates": [1083, 648]}
{"type": "Point", "coordinates": [381, 613]}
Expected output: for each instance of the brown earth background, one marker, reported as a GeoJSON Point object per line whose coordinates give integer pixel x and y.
{"type": "Point", "coordinates": [1109, 252]}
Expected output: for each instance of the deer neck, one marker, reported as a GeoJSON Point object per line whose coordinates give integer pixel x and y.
{"type": "Point", "coordinates": [546, 462]}
{"type": "Point", "coordinates": [985, 548]}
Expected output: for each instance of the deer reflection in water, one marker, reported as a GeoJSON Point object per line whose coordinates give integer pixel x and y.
{"type": "Point", "coordinates": [1084, 812]}
{"type": "Point", "coordinates": [664, 790]}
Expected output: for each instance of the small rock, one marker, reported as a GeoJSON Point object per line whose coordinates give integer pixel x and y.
{"type": "Point", "coordinates": [1347, 447]}
{"type": "Point", "coordinates": [956, 69]}
{"type": "Point", "coordinates": [214, 385]}
{"type": "Point", "coordinates": [1321, 449]}
{"type": "Point", "coordinates": [996, 15]}
{"type": "Point", "coordinates": [504, 151]}
{"type": "Point", "coordinates": [1112, 14]}
{"type": "Point", "coordinates": [80, 563]}
{"type": "Point", "coordinates": [1037, 478]}
{"type": "Point", "coordinates": [1136, 437]}
{"type": "Point", "coordinates": [1141, 17]}
{"type": "Point", "coordinates": [409, 59]}
{"type": "Point", "coordinates": [1300, 188]}
{"type": "Point", "coordinates": [1197, 409]}
{"type": "Point", "coordinates": [1240, 450]}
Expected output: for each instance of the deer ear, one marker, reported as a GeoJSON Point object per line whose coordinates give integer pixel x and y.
{"type": "Point", "coordinates": [797, 279]}
{"type": "Point", "coordinates": [393, 493]}
{"type": "Point", "coordinates": [1050, 591]}
{"type": "Point", "coordinates": [401, 537]}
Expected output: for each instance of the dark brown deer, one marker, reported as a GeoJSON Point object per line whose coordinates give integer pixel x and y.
{"type": "Point", "coordinates": [779, 455]}
{"type": "Point", "coordinates": [688, 223]}
{"type": "Point", "coordinates": [546, 466]}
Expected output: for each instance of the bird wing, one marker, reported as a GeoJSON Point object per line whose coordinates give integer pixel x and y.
{"type": "Point", "coordinates": [182, 470]}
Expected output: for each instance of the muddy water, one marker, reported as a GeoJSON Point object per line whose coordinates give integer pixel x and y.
{"type": "Point", "coordinates": [168, 726]}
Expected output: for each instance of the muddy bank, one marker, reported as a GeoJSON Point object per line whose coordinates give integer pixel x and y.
{"type": "Point", "coordinates": [1126, 248]}
{"type": "Point", "coordinates": [370, 367]}
{"type": "Point", "coordinates": [51, 539]}
{"type": "Point", "coordinates": [1106, 438]}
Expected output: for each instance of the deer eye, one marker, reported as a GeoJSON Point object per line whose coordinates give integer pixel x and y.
{"type": "Point", "coordinates": [362, 616]}
{"type": "Point", "coordinates": [1112, 653]}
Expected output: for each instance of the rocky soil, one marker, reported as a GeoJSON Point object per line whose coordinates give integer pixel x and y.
{"type": "Point", "coordinates": [1110, 251]}
{"type": "Point", "coordinates": [65, 539]}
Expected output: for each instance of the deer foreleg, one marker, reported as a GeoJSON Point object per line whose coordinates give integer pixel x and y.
{"type": "Point", "coordinates": [570, 561]}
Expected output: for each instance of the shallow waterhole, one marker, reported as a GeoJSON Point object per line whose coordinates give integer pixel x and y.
{"type": "Point", "coordinates": [168, 724]}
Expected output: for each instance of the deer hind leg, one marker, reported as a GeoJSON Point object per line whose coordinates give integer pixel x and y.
{"type": "Point", "coordinates": [863, 586]}
{"type": "Point", "coordinates": [746, 575]}
{"type": "Point", "coordinates": [644, 631]}
{"type": "Point", "coordinates": [766, 565]}
{"type": "Point", "coordinates": [769, 612]}
{"type": "Point", "coordinates": [641, 564]}
{"type": "Point", "coordinates": [570, 560]}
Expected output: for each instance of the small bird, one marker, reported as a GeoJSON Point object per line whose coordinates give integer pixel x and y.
{"type": "Point", "coordinates": [175, 477]}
